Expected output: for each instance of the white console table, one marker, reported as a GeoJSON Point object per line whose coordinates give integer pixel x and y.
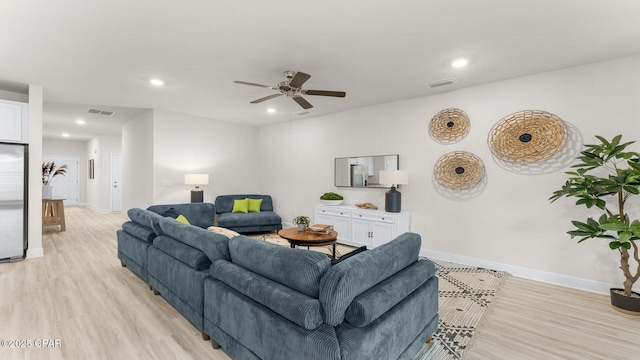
{"type": "Point", "coordinates": [358, 227]}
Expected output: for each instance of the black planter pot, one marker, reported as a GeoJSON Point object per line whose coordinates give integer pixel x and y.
{"type": "Point", "coordinates": [625, 304]}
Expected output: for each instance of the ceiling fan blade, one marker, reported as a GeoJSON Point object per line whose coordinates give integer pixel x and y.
{"type": "Point", "coordinates": [253, 84]}
{"type": "Point", "coordinates": [299, 79]}
{"type": "Point", "coordinates": [265, 98]}
{"type": "Point", "coordinates": [302, 102]}
{"type": "Point", "coordinates": [325, 93]}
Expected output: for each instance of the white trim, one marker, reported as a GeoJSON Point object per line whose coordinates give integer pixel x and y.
{"type": "Point", "coordinates": [99, 211]}
{"type": "Point", "coordinates": [523, 272]}
{"type": "Point", "coordinates": [35, 253]}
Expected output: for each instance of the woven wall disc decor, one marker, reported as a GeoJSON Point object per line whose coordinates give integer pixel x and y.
{"type": "Point", "coordinates": [449, 125]}
{"type": "Point", "coordinates": [459, 170]}
{"type": "Point", "coordinates": [527, 137]}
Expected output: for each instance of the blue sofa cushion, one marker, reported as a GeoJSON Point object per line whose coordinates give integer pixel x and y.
{"type": "Point", "coordinates": [145, 218]}
{"type": "Point", "coordinates": [141, 232]}
{"type": "Point", "coordinates": [199, 214]}
{"type": "Point", "coordinates": [376, 301]}
{"type": "Point", "coordinates": [171, 212]}
{"type": "Point", "coordinates": [348, 279]}
{"type": "Point", "coordinates": [231, 220]}
{"type": "Point", "coordinates": [194, 258]}
{"type": "Point", "coordinates": [296, 268]}
{"type": "Point", "coordinates": [215, 246]}
{"type": "Point", "coordinates": [299, 308]}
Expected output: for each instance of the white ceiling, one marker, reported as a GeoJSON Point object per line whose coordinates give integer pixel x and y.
{"type": "Point", "coordinates": [103, 52]}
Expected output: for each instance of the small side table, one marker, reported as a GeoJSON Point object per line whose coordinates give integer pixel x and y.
{"type": "Point", "coordinates": [53, 213]}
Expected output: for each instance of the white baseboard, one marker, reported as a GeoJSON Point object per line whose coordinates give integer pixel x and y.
{"type": "Point", "coordinates": [523, 272]}
{"type": "Point", "coordinates": [35, 253]}
{"type": "Point", "coordinates": [99, 211]}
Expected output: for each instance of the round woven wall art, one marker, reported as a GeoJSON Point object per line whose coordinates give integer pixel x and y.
{"type": "Point", "coordinates": [459, 170]}
{"type": "Point", "coordinates": [449, 125]}
{"type": "Point", "coordinates": [527, 137]}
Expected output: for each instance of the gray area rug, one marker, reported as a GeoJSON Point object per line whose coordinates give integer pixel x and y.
{"type": "Point", "coordinates": [464, 294]}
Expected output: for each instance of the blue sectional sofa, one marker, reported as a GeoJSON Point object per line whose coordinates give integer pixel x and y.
{"type": "Point", "coordinates": [263, 301]}
{"type": "Point", "coordinates": [265, 220]}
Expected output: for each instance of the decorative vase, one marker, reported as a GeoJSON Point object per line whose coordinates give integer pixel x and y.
{"type": "Point", "coordinates": [626, 304]}
{"type": "Point", "coordinates": [302, 227]}
{"type": "Point", "coordinates": [47, 191]}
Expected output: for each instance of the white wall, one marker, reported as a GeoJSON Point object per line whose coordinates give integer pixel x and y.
{"type": "Point", "coordinates": [70, 148]}
{"type": "Point", "coordinates": [511, 224]}
{"type": "Point", "coordinates": [189, 144]}
{"type": "Point", "coordinates": [100, 149]}
{"type": "Point", "coordinates": [137, 162]}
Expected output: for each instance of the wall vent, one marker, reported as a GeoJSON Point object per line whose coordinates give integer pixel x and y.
{"type": "Point", "coordinates": [100, 112]}
{"type": "Point", "coordinates": [443, 82]}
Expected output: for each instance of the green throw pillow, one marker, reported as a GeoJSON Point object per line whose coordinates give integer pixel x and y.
{"type": "Point", "coordinates": [240, 206]}
{"type": "Point", "coordinates": [183, 219]}
{"type": "Point", "coordinates": [254, 204]}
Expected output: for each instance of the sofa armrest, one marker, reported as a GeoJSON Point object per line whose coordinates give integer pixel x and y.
{"type": "Point", "coordinates": [145, 218]}
{"type": "Point", "coordinates": [348, 279]}
{"type": "Point", "coordinates": [376, 301]}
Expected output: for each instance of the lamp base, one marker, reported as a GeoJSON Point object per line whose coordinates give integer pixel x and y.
{"type": "Point", "coordinates": [197, 196]}
{"type": "Point", "coordinates": [393, 200]}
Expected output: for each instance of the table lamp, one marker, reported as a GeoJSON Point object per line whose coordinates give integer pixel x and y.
{"type": "Point", "coordinates": [197, 195]}
{"type": "Point", "coordinates": [393, 197]}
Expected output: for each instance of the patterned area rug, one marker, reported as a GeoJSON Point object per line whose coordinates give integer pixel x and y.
{"type": "Point", "coordinates": [464, 294]}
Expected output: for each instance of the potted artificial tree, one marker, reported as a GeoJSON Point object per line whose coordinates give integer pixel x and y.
{"type": "Point", "coordinates": [302, 222]}
{"type": "Point", "coordinates": [607, 177]}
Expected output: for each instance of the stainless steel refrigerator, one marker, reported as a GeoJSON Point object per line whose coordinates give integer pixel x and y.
{"type": "Point", "coordinates": [13, 201]}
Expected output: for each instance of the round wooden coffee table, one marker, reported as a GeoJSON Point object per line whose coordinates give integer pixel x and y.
{"type": "Point", "coordinates": [309, 238]}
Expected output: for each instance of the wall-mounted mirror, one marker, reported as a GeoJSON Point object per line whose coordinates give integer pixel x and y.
{"type": "Point", "coordinates": [363, 171]}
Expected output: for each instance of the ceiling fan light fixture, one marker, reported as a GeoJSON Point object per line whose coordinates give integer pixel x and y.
{"type": "Point", "coordinates": [271, 110]}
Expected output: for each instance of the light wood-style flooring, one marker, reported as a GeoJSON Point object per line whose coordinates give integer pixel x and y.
{"type": "Point", "coordinates": [80, 295]}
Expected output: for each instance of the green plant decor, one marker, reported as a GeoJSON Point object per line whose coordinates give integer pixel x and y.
{"type": "Point", "coordinates": [607, 177]}
{"type": "Point", "coordinates": [299, 220]}
{"type": "Point", "coordinates": [331, 196]}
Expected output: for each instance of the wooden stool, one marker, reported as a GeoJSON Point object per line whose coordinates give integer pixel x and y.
{"type": "Point", "coordinates": [53, 213]}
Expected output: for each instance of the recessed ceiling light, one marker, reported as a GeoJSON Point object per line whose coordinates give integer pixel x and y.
{"type": "Point", "coordinates": [156, 82]}
{"type": "Point", "coordinates": [80, 122]}
{"type": "Point", "coordinates": [458, 63]}
{"type": "Point", "coordinates": [271, 110]}
{"type": "Point", "coordinates": [65, 134]}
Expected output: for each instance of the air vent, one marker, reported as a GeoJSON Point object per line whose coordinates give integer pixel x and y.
{"type": "Point", "coordinates": [100, 112]}
{"type": "Point", "coordinates": [439, 83]}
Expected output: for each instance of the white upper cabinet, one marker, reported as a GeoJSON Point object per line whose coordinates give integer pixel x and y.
{"type": "Point", "coordinates": [14, 121]}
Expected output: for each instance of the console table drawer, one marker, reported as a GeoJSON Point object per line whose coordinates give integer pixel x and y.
{"type": "Point", "coordinates": [335, 212]}
{"type": "Point", "coordinates": [375, 217]}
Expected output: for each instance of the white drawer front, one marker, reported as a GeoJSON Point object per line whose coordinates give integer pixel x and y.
{"type": "Point", "coordinates": [332, 212]}
{"type": "Point", "coordinates": [391, 219]}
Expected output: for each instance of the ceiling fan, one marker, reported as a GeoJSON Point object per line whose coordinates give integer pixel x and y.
{"type": "Point", "coordinates": [292, 88]}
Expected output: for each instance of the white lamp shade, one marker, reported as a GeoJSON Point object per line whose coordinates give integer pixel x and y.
{"type": "Point", "coordinates": [394, 177]}
{"type": "Point", "coordinates": [196, 179]}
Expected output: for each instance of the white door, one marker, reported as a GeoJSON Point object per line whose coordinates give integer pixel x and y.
{"type": "Point", "coordinates": [68, 186]}
{"type": "Point", "coordinates": [116, 182]}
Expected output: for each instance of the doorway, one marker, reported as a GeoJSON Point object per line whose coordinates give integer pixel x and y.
{"type": "Point", "coordinates": [68, 186]}
{"type": "Point", "coordinates": [116, 182]}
